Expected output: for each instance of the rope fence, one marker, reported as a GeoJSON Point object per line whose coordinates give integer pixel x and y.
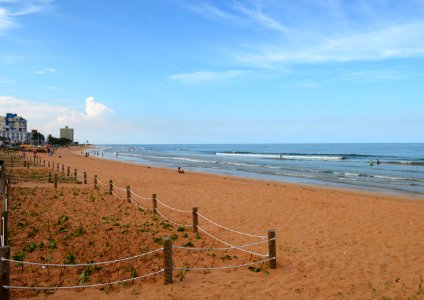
{"type": "Point", "coordinates": [81, 265]}
{"type": "Point", "coordinates": [114, 190]}
{"type": "Point", "coordinates": [168, 219]}
{"type": "Point", "coordinates": [226, 267]}
{"type": "Point", "coordinates": [228, 244]}
{"type": "Point", "coordinates": [80, 286]}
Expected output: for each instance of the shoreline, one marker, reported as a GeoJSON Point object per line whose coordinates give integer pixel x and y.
{"type": "Point", "coordinates": [337, 187]}
{"type": "Point", "coordinates": [331, 243]}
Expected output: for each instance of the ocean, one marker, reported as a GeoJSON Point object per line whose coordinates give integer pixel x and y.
{"type": "Point", "coordinates": [395, 168]}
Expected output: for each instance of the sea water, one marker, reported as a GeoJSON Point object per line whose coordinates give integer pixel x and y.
{"type": "Point", "coordinates": [397, 168]}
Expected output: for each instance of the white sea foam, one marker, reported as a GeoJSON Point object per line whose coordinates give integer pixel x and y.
{"type": "Point", "coordinates": [283, 156]}
{"type": "Point", "coordinates": [352, 174]}
{"type": "Point", "coordinates": [249, 155]}
{"type": "Point", "coordinates": [312, 157]}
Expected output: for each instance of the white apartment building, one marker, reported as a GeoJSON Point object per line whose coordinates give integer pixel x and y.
{"type": "Point", "coordinates": [13, 128]}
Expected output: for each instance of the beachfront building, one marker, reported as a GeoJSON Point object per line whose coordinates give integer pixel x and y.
{"type": "Point", "coordinates": [67, 133]}
{"type": "Point", "coordinates": [13, 128]}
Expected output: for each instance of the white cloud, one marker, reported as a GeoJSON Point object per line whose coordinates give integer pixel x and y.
{"type": "Point", "coordinates": [197, 78]}
{"type": "Point", "coordinates": [376, 75]}
{"type": "Point", "coordinates": [240, 15]}
{"type": "Point", "coordinates": [48, 118]}
{"type": "Point", "coordinates": [213, 12]}
{"type": "Point", "coordinates": [257, 16]}
{"type": "Point", "coordinates": [6, 21]}
{"type": "Point", "coordinates": [314, 32]}
{"type": "Point", "coordinates": [11, 10]}
{"type": "Point", "coordinates": [94, 110]}
{"type": "Point", "coordinates": [400, 41]}
{"type": "Point", "coordinates": [5, 80]}
{"type": "Point", "coordinates": [43, 71]}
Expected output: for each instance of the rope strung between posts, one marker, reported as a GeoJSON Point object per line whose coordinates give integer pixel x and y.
{"type": "Point", "coordinates": [225, 267]}
{"type": "Point", "coordinates": [133, 202]}
{"type": "Point", "coordinates": [138, 196]}
{"type": "Point", "coordinates": [119, 188]}
{"type": "Point", "coordinates": [229, 229]}
{"type": "Point", "coordinates": [98, 181]}
{"type": "Point", "coordinates": [113, 193]}
{"type": "Point", "coordinates": [166, 218]}
{"type": "Point", "coordinates": [223, 248]}
{"type": "Point", "coordinates": [81, 265]}
{"type": "Point", "coordinates": [186, 212]}
{"type": "Point", "coordinates": [172, 208]}
{"type": "Point", "coordinates": [219, 240]}
{"type": "Point", "coordinates": [80, 286]}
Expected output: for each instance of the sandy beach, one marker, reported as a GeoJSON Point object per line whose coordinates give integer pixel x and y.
{"type": "Point", "coordinates": [331, 243]}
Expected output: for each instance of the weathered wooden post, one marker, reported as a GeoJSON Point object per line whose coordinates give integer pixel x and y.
{"type": "Point", "coordinates": [25, 163]}
{"type": "Point", "coordinates": [155, 203]}
{"type": "Point", "coordinates": [57, 167]}
{"type": "Point", "coordinates": [95, 182]}
{"type": "Point", "coordinates": [69, 171]}
{"type": "Point", "coordinates": [85, 177]}
{"type": "Point", "coordinates": [167, 260]}
{"type": "Point", "coordinates": [55, 181]}
{"type": "Point", "coordinates": [50, 177]}
{"type": "Point", "coordinates": [48, 164]}
{"type": "Point", "coordinates": [272, 249]}
{"type": "Point", "coordinates": [63, 169]}
{"type": "Point", "coordinates": [4, 272]}
{"type": "Point", "coordinates": [195, 220]}
{"type": "Point", "coordinates": [128, 194]}
{"type": "Point", "coordinates": [75, 174]}
{"type": "Point", "coordinates": [110, 187]}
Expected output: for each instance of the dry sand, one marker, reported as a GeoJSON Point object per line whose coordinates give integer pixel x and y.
{"type": "Point", "coordinates": [331, 244]}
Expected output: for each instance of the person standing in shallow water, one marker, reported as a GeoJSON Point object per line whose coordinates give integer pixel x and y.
{"type": "Point", "coordinates": [371, 163]}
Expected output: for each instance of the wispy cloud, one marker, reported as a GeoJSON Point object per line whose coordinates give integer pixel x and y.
{"type": "Point", "coordinates": [240, 15]}
{"type": "Point", "coordinates": [48, 118]}
{"type": "Point", "coordinates": [4, 80]}
{"type": "Point", "coordinates": [214, 12]}
{"type": "Point", "coordinates": [315, 32]}
{"type": "Point", "coordinates": [11, 10]}
{"type": "Point", "coordinates": [44, 71]}
{"type": "Point", "coordinates": [257, 16]}
{"type": "Point", "coordinates": [376, 75]}
{"type": "Point", "coordinates": [399, 41]}
{"type": "Point", "coordinates": [198, 78]}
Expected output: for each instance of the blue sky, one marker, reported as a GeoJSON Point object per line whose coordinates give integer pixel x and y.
{"type": "Point", "coordinates": [174, 71]}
